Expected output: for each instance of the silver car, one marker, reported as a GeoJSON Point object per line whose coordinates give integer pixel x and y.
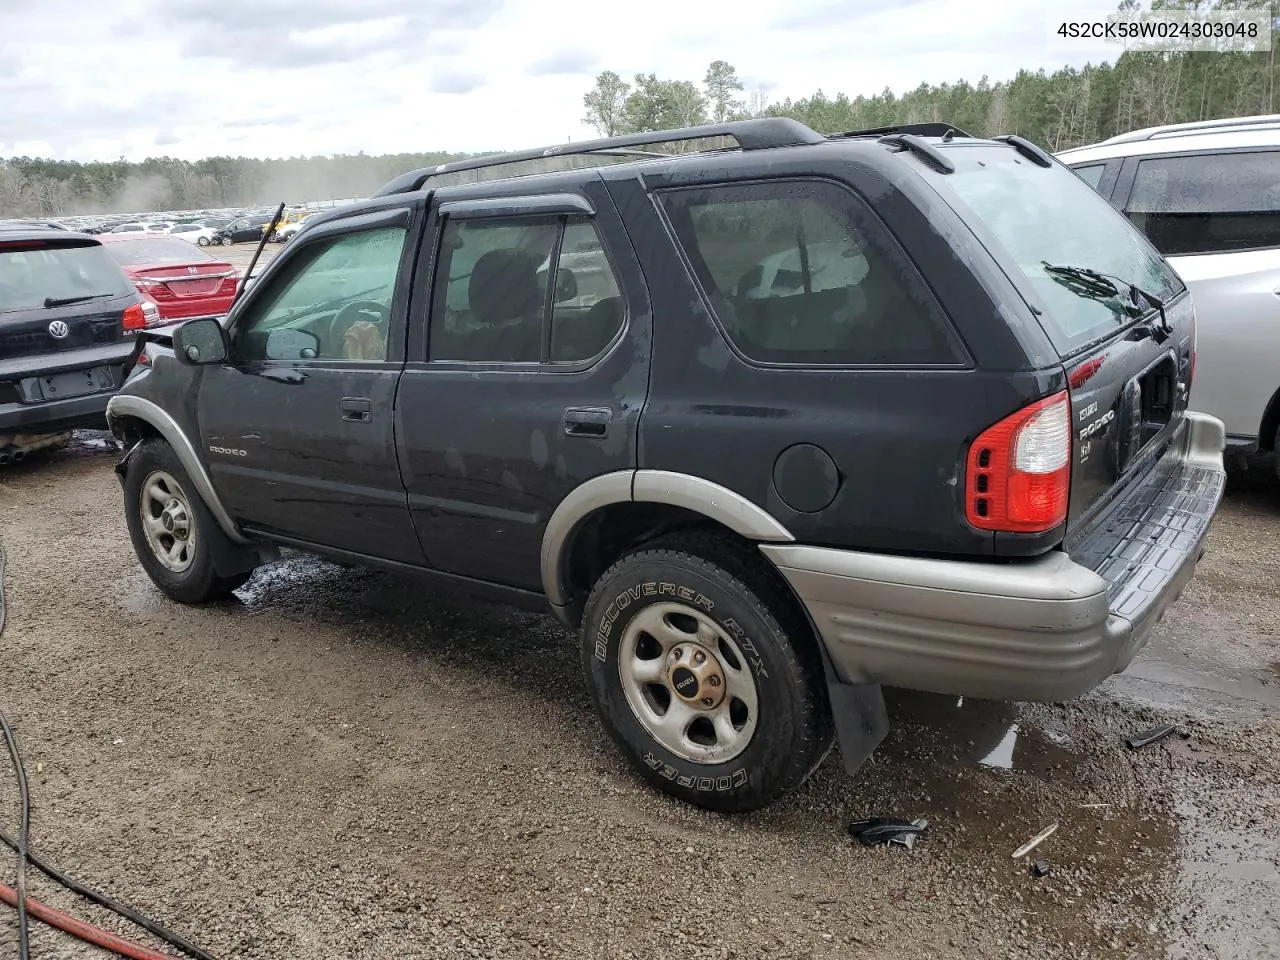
{"type": "Point", "coordinates": [1207, 195]}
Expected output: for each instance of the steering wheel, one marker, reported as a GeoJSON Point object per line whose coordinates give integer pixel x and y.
{"type": "Point", "coordinates": [352, 313]}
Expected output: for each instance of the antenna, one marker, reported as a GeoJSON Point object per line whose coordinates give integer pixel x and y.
{"type": "Point", "coordinates": [248, 274]}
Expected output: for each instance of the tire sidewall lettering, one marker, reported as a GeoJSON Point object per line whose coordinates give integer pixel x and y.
{"type": "Point", "coordinates": [605, 635]}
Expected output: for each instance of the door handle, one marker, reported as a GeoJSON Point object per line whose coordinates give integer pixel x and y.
{"type": "Point", "coordinates": [357, 409]}
{"type": "Point", "coordinates": [587, 421]}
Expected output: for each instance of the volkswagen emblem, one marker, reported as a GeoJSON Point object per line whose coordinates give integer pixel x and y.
{"type": "Point", "coordinates": [59, 330]}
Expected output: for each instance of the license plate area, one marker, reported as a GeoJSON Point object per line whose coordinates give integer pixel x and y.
{"type": "Point", "coordinates": [1145, 410]}
{"type": "Point", "coordinates": [63, 386]}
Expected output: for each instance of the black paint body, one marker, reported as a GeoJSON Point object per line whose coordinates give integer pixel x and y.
{"type": "Point", "coordinates": [460, 465]}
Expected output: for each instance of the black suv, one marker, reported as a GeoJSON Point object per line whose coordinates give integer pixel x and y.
{"type": "Point", "coordinates": [247, 229]}
{"type": "Point", "coordinates": [770, 425]}
{"type": "Point", "coordinates": [68, 316]}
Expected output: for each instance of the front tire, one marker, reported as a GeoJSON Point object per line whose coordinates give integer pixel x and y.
{"type": "Point", "coordinates": [172, 531]}
{"type": "Point", "coordinates": [202, 241]}
{"type": "Point", "coordinates": [705, 673]}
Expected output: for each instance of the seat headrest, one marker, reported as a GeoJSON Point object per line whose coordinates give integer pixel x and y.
{"type": "Point", "coordinates": [503, 286]}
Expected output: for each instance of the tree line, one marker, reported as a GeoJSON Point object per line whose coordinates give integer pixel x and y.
{"type": "Point", "coordinates": [1067, 108]}
{"type": "Point", "coordinates": [1057, 110]}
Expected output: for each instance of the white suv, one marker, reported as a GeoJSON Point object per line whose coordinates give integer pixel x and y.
{"type": "Point", "coordinates": [1207, 195]}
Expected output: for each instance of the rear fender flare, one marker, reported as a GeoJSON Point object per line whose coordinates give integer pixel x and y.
{"type": "Point", "coordinates": [151, 413]}
{"type": "Point", "coordinates": [646, 486]}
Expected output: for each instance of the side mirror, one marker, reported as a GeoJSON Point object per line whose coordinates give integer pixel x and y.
{"type": "Point", "coordinates": [289, 344]}
{"type": "Point", "coordinates": [201, 342]}
{"type": "Point", "coordinates": [566, 285]}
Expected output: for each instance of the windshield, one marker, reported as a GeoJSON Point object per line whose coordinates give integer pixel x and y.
{"type": "Point", "coordinates": [155, 250]}
{"type": "Point", "coordinates": [1027, 215]}
{"type": "Point", "coordinates": [31, 274]}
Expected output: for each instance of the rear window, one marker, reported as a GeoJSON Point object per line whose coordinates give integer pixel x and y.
{"type": "Point", "coordinates": [31, 274]}
{"type": "Point", "coordinates": [1027, 215]}
{"type": "Point", "coordinates": [156, 250]}
{"type": "Point", "coordinates": [1209, 203]}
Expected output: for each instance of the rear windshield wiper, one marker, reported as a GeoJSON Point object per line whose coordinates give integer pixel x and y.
{"type": "Point", "coordinates": [64, 301]}
{"type": "Point", "coordinates": [1095, 283]}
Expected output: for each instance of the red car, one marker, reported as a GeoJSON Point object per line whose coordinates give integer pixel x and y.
{"type": "Point", "coordinates": [178, 277]}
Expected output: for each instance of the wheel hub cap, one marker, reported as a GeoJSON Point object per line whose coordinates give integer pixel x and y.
{"type": "Point", "coordinates": [174, 519]}
{"type": "Point", "coordinates": [694, 675]}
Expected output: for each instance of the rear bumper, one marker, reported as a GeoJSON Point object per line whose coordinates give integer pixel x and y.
{"type": "Point", "coordinates": [55, 416]}
{"type": "Point", "coordinates": [1047, 629]}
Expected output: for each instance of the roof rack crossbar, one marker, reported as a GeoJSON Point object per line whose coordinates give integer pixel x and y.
{"type": "Point", "coordinates": [759, 134]}
{"type": "Point", "coordinates": [935, 129]}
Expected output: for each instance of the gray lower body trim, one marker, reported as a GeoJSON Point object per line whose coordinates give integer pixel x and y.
{"type": "Point", "coordinates": [123, 405]}
{"type": "Point", "coordinates": [1047, 629]}
{"type": "Point", "coordinates": [644, 486]}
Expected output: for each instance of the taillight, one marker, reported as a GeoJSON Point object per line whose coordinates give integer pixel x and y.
{"type": "Point", "coordinates": [1019, 471]}
{"type": "Point", "coordinates": [140, 316]}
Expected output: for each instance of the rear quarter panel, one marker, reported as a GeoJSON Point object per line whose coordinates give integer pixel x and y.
{"type": "Point", "coordinates": [897, 436]}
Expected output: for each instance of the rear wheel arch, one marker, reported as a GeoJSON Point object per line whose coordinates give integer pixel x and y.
{"type": "Point", "coordinates": [1270, 427]}
{"type": "Point", "coordinates": [614, 513]}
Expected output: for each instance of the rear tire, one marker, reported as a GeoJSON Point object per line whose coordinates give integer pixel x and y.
{"type": "Point", "coordinates": [172, 531]}
{"type": "Point", "coordinates": [705, 673]}
{"type": "Point", "coordinates": [202, 241]}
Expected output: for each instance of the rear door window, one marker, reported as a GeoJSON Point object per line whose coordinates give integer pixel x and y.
{"type": "Point", "coordinates": [798, 272]}
{"type": "Point", "coordinates": [1027, 215]}
{"type": "Point", "coordinates": [31, 274]}
{"type": "Point", "coordinates": [1208, 203]}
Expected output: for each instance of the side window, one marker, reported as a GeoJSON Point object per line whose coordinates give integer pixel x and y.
{"type": "Point", "coordinates": [1092, 175]}
{"type": "Point", "coordinates": [1209, 203]}
{"type": "Point", "coordinates": [332, 303]}
{"type": "Point", "coordinates": [589, 311]}
{"type": "Point", "coordinates": [798, 274]}
{"type": "Point", "coordinates": [502, 300]}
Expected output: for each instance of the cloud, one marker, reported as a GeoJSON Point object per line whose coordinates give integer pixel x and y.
{"type": "Point", "coordinates": [564, 62]}
{"type": "Point", "coordinates": [291, 34]}
{"type": "Point", "coordinates": [456, 81]}
{"type": "Point", "coordinates": [319, 77]}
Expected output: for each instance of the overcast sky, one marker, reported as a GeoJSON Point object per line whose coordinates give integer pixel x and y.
{"type": "Point", "coordinates": [100, 79]}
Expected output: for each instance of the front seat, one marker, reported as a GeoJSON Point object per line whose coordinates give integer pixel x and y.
{"type": "Point", "coordinates": [506, 302]}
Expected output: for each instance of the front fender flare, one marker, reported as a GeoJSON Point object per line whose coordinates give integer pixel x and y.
{"type": "Point", "coordinates": [151, 413]}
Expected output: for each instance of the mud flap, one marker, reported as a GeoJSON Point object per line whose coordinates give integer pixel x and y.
{"type": "Point", "coordinates": [122, 467]}
{"type": "Point", "coordinates": [858, 709]}
{"type": "Point", "coordinates": [861, 720]}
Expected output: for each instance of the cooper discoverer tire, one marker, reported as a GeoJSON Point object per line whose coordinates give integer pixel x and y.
{"type": "Point", "coordinates": [705, 674]}
{"type": "Point", "coordinates": [171, 529]}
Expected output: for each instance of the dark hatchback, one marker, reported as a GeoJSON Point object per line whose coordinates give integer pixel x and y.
{"type": "Point", "coordinates": [67, 318]}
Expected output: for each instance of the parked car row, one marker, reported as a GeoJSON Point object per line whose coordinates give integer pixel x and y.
{"type": "Point", "coordinates": [71, 306]}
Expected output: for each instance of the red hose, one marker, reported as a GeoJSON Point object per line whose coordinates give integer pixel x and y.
{"type": "Point", "coordinates": [83, 931]}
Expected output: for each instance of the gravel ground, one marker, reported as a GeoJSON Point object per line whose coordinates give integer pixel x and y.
{"type": "Point", "coordinates": [338, 765]}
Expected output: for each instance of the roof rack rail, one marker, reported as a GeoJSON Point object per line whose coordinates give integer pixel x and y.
{"type": "Point", "coordinates": [922, 148]}
{"type": "Point", "coordinates": [937, 129]}
{"type": "Point", "coordinates": [760, 134]}
{"type": "Point", "coordinates": [1221, 125]}
{"type": "Point", "coordinates": [1027, 149]}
